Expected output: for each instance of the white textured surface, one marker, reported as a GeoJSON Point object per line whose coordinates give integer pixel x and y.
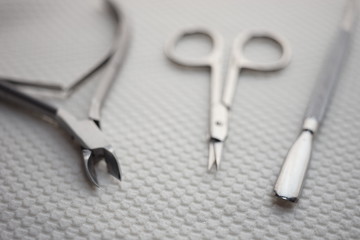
{"type": "Point", "coordinates": [156, 117]}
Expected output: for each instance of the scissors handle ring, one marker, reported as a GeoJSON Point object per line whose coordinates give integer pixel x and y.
{"type": "Point", "coordinates": [244, 62]}
{"type": "Point", "coordinates": [208, 60]}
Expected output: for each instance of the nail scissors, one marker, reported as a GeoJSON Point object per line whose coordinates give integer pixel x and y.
{"type": "Point", "coordinates": [220, 104]}
{"type": "Point", "coordinates": [86, 132]}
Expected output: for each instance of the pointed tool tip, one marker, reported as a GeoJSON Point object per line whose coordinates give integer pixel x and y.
{"type": "Point", "coordinates": [215, 154]}
{"type": "Point", "coordinates": [112, 163]}
{"type": "Point", "coordinates": [210, 165]}
{"type": "Point", "coordinates": [218, 153]}
{"type": "Point", "coordinates": [211, 161]}
{"type": "Point", "coordinates": [117, 175]}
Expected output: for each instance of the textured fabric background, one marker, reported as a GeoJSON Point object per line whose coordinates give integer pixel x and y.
{"type": "Point", "coordinates": [156, 116]}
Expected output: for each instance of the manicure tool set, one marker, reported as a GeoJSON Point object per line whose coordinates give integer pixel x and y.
{"type": "Point", "coordinates": [95, 147]}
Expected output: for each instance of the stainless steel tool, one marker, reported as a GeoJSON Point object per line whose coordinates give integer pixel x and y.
{"type": "Point", "coordinates": [220, 103]}
{"type": "Point", "coordinates": [86, 132]}
{"type": "Point", "coordinates": [290, 180]}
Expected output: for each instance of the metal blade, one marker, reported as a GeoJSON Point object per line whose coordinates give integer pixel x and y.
{"type": "Point", "coordinates": [218, 146]}
{"type": "Point", "coordinates": [211, 155]}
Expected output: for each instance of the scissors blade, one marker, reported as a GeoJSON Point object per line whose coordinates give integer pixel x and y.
{"type": "Point", "coordinates": [218, 147]}
{"type": "Point", "coordinates": [215, 153]}
{"type": "Point", "coordinates": [212, 159]}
